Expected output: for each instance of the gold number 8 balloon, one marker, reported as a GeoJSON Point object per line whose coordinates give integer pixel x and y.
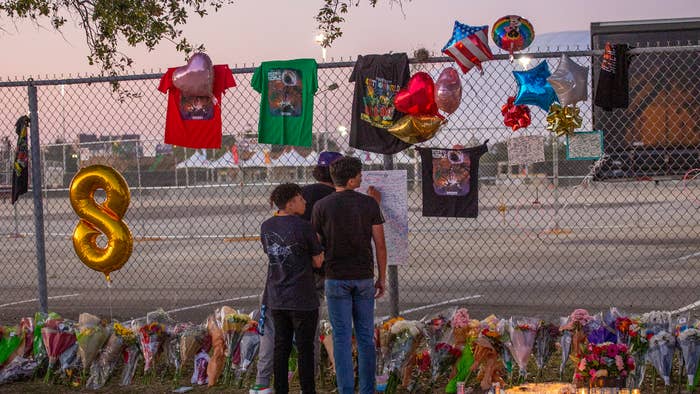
{"type": "Point", "coordinates": [101, 218]}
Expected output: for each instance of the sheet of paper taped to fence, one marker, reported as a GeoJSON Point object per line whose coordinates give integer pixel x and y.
{"type": "Point", "coordinates": [392, 185]}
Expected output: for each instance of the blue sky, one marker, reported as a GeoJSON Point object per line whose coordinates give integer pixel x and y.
{"type": "Point", "coordinates": [250, 31]}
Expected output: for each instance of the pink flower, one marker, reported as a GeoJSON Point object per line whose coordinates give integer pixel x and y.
{"type": "Point", "coordinates": [611, 351]}
{"type": "Point", "coordinates": [582, 365]}
{"type": "Point", "coordinates": [619, 363]}
{"type": "Point", "coordinates": [578, 376]}
{"type": "Point", "coordinates": [592, 373]}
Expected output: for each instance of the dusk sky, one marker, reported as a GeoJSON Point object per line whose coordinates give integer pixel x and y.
{"type": "Point", "coordinates": [250, 31]}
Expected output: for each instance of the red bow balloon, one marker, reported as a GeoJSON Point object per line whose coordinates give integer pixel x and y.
{"type": "Point", "coordinates": [418, 98]}
{"type": "Point", "coordinates": [515, 116]}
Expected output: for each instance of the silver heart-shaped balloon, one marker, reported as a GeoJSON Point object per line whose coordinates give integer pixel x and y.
{"type": "Point", "coordinates": [197, 77]}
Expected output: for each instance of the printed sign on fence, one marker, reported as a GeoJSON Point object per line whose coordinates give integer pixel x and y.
{"type": "Point", "coordinates": [392, 185]}
{"type": "Point", "coordinates": [584, 145]}
{"type": "Point", "coordinates": [526, 150]}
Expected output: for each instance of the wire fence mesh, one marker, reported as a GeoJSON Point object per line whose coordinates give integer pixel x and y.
{"type": "Point", "coordinates": [547, 239]}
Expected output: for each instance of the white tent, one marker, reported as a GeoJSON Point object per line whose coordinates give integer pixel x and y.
{"type": "Point", "coordinates": [257, 160]}
{"type": "Point", "coordinates": [225, 161]}
{"type": "Point", "coordinates": [197, 160]}
{"type": "Point", "coordinates": [291, 158]}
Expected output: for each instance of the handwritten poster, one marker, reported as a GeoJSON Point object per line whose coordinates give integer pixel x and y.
{"type": "Point", "coordinates": [526, 150]}
{"type": "Point", "coordinates": [584, 145]}
{"type": "Point", "coordinates": [392, 186]}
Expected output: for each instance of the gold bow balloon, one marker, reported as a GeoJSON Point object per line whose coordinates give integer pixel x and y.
{"type": "Point", "coordinates": [413, 129]}
{"type": "Point", "coordinates": [563, 120]}
{"type": "Point", "coordinates": [101, 218]}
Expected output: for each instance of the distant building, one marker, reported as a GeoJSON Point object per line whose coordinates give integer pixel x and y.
{"type": "Point", "coordinates": [92, 145]}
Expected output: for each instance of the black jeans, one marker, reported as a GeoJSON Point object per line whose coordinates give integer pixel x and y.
{"type": "Point", "coordinates": [300, 325]}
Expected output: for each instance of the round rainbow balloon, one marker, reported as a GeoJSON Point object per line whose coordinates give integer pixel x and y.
{"type": "Point", "coordinates": [513, 33]}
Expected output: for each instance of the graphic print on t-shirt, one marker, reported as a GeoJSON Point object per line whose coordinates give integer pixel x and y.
{"type": "Point", "coordinates": [284, 92]}
{"type": "Point", "coordinates": [196, 107]}
{"type": "Point", "coordinates": [451, 173]}
{"type": "Point", "coordinates": [277, 248]}
{"type": "Point", "coordinates": [379, 102]}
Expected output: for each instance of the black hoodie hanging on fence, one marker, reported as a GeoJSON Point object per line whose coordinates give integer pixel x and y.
{"type": "Point", "coordinates": [377, 80]}
{"type": "Point", "coordinates": [451, 181]}
{"type": "Point", "coordinates": [20, 167]}
{"type": "Point", "coordinates": [612, 90]}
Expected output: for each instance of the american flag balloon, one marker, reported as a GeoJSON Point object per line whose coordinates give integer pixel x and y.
{"type": "Point", "coordinates": [469, 46]}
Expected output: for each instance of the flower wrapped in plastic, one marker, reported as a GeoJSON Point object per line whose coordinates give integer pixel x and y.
{"type": "Point", "coordinates": [622, 329]}
{"type": "Point", "coordinates": [57, 337]}
{"type": "Point", "coordinates": [522, 339]}
{"type": "Point", "coordinates": [201, 363]}
{"type": "Point", "coordinates": [172, 347]}
{"type": "Point", "coordinates": [574, 337]}
{"type": "Point", "coordinates": [438, 332]}
{"type": "Point", "coordinates": [464, 331]}
{"type": "Point", "coordinates": [131, 354]}
{"type": "Point", "coordinates": [405, 336]}
{"type": "Point", "coordinates": [91, 336]}
{"type": "Point", "coordinates": [443, 357]}
{"type": "Point", "coordinates": [151, 337]}
{"type": "Point", "coordinates": [661, 348]}
{"type": "Point", "coordinates": [487, 350]}
{"type": "Point", "coordinates": [689, 342]}
{"type": "Point", "coordinates": [384, 343]}
{"type": "Point", "coordinates": [545, 343]}
{"type": "Point", "coordinates": [191, 341]}
{"type": "Point", "coordinates": [218, 356]}
{"type": "Point", "coordinates": [600, 330]}
{"type": "Point", "coordinates": [103, 367]}
{"type": "Point", "coordinates": [233, 324]}
{"type": "Point", "coordinates": [326, 339]}
{"type": "Point", "coordinates": [246, 352]}
{"type": "Point", "coordinates": [26, 326]}
{"type": "Point", "coordinates": [657, 321]}
{"type": "Point", "coordinates": [605, 360]}
{"type": "Point", "coordinates": [18, 369]}
{"type": "Point", "coordinates": [638, 345]}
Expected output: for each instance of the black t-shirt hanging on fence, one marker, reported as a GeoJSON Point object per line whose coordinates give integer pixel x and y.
{"type": "Point", "coordinates": [289, 242]}
{"type": "Point", "coordinates": [377, 80]}
{"type": "Point", "coordinates": [451, 181]}
{"type": "Point", "coordinates": [612, 90]}
{"type": "Point", "coordinates": [344, 220]}
{"type": "Point", "coordinates": [313, 193]}
{"type": "Point", "coordinates": [20, 167]}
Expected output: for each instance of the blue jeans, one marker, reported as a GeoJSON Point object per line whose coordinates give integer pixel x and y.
{"type": "Point", "coordinates": [351, 302]}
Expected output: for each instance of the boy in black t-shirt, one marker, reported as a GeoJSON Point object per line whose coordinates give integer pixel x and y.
{"type": "Point", "coordinates": [293, 248]}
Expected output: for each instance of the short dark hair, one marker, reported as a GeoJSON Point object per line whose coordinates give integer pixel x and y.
{"type": "Point", "coordinates": [322, 174]}
{"type": "Point", "coordinates": [344, 169]}
{"type": "Point", "coordinates": [284, 193]}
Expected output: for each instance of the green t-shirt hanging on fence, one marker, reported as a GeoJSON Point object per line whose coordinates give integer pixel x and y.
{"type": "Point", "coordinates": [286, 106]}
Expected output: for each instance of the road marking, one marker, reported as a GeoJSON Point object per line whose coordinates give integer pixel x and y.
{"type": "Point", "coordinates": [429, 306]}
{"type": "Point", "coordinates": [686, 308]}
{"type": "Point", "coordinates": [689, 256]}
{"type": "Point", "coordinates": [36, 299]}
{"type": "Point", "coordinates": [205, 304]}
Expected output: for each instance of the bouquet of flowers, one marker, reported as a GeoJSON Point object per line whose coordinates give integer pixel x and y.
{"type": "Point", "coordinates": [191, 340]}
{"type": "Point", "coordinates": [689, 342]}
{"type": "Point", "coordinates": [151, 337]}
{"type": "Point", "coordinates": [600, 330]}
{"type": "Point", "coordinates": [622, 329]}
{"type": "Point", "coordinates": [638, 345]}
{"type": "Point", "coordinates": [217, 358]}
{"type": "Point", "coordinates": [130, 352]}
{"type": "Point", "coordinates": [91, 335]}
{"type": "Point", "coordinates": [565, 337]}
{"type": "Point", "coordinates": [657, 321]}
{"type": "Point", "coordinates": [578, 342]}
{"type": "Point", "coordinates": [465, 332]}
{"type": "Point", "coordinates": [545, 343]}
{"type": "Point", "coordinates": [442, 358]}
{"type": "Point", "coordinates": [201, 363]}
{"type": "Point", "coordinates": [522, 339]}
{"type": "Point", "coordinates": [605, 360]}
{"type": "Point", "coordinates": [106, 362]}
{"type": "Point", "coordinates": [26, 326]}
{"type": "Point", "coordinates": [247, 350]}
{"type": "Point", "coordinates": [661, 348]}
{"type": "Point", "coordinates": [233, 325]}
{"type": "Point", "coordinates": [384, 342]}
{"type": "Point", "coordinates": [405, 336]}
{"type": "Point", "coordinates": [57, 337]}
{"type": "Point", "coordinates": [172, 347]}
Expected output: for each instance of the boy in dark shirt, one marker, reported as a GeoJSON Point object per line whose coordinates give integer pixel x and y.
{"type": "Point", "coordinates": [293, 248]}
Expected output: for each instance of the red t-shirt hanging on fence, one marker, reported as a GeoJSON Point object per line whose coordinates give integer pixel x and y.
{"type": "Point", "coordinates": [195, 122]}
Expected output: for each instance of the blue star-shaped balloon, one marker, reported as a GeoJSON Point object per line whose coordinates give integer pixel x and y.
{"type": "Point", "coordinates": [533, 87]}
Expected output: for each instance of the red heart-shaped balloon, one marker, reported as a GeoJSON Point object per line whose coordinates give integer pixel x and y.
{"type": "Point", "coordinates": [418, 98]}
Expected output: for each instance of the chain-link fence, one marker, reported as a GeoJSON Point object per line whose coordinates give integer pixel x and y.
{"type": "Point", "coordinates": [548, 238]}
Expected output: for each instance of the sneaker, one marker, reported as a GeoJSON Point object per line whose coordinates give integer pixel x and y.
{"type": "Point", "coordinates": [260, 389]}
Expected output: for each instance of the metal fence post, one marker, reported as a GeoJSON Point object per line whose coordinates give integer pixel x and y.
{"type": "Point", "coordinates": [36, 192]}
{"type": "Point", "coordinates": [392, 269]}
